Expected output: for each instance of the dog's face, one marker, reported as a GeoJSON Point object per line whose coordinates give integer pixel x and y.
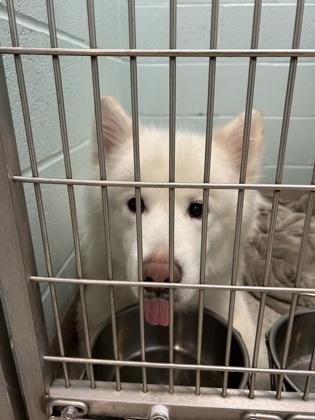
{"type": "Point", "coordinates": [188, 204]}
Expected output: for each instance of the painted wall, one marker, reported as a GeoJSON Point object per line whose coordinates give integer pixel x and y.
{"type": "Point", "coordinates": [72, 32]}
{"type": "Point", "coordinates": [235, 21]}
{"type": "Point", "coordinates": [152, 20]}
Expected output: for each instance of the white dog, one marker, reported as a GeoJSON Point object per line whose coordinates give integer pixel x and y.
{"type": "Point", "coordinates": [154, 166]}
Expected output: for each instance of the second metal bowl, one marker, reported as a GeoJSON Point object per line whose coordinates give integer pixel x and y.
{"type": "Point", "coordinates": [302, 345]}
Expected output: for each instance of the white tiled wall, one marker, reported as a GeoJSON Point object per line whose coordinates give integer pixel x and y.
{"type": "Point", "coordinates": [72, 31]}
{"type": "Point", "coordinates": [235, 17]}
{"type": "Point", "coordinates": [152, 19]}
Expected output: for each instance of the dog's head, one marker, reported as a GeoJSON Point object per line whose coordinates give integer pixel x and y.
{"type": "Point", "coordinates": [153, 237]}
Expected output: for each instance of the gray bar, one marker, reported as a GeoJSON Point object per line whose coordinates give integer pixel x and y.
{"type": "Point", "coordinates": [262, 304]}
{"type": "Point", "coordinates": [182, 366]}
{"type": "Point", "coordinates": [102, 168]}
{"type": "Point", "coordinates": [67, 162]}
{"type": "Point", "coordinates": [172, 151]}
{"type": "Point", "coordinates": [247, 127]}
{"type": "Point", "coordinates": [137, 175]}
{"type": "Point", "coordinates": [242, 180]}
{"type": "Point", "coordinates": [290, 90]}
{"type": "Point", "coordinates": [104, 192]}
{"type": "Point", "coordinates": [309, 378]}
{"type": "Point", "coordinates": [279, 173]}
{"type": "Point", "coordinates": [197, 185]}
{"type": "Point", "coordinates": [33, 161]}
{"type": "Point", "coordinates": [295, 296]}
{"type": "Point", "coordinates": [208, 147]}
{"type": "Point", "coordinates": [89, 367]}
{"type": "Point", "coordinates": [274, 53]}
{"type": "Point", "coordinates": [122, 283]}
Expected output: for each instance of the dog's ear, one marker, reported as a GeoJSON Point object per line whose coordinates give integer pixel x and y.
{"type": "Point", "coordinates": [232, 137]}
{"type": "Point", "coordinates": [116, 124]}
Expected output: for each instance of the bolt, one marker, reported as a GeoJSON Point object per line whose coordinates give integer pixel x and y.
{"type": "Point", "coordinates": [159, 412]}
{"type": "Point", "coordinates": [70, 412]}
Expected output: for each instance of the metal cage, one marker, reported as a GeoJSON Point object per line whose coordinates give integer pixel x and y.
{"type": "Point", "coordinates": [48, 397]}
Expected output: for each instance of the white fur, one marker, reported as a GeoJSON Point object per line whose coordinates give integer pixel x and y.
{"type": "Point", "coordinates": [154, 166]}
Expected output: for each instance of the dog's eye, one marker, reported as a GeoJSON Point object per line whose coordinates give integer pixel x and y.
{"type": "Point", "coordinates": [195, 210]}
{"type": "Point", "coordinates": [132, 205]}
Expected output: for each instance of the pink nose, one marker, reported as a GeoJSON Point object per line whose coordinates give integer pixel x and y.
{"type": "Point", "coordinates": [158, 271]}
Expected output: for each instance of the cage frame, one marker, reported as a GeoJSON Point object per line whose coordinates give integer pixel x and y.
{"type": "Point", "coordinates": [28, 332]}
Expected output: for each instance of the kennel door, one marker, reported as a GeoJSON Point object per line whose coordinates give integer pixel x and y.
{"type": "Point", "coordinates": [45, 396]}
{"type": "Point", "coordinates": [22, 298]}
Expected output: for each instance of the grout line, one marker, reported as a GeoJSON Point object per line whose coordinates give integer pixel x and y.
{"type": "Point", "coordinates": [42, 27]}
{"type": "Point", "coordinates": [65, 264]}
{"type": "Point", "coordinates": [55, 157]}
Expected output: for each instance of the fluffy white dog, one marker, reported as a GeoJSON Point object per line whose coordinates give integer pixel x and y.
{"type": "Point", "coordinates": [154, 166]}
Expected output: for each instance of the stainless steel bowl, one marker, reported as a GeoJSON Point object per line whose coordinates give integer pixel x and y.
{"type": "Point", "coordinates": [157, 349]}
{"type": "Point", "coordinates": [301, 346]}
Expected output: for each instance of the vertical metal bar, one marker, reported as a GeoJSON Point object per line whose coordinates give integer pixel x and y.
{"type": "Point", "coordinates": [308, 383]}
{"type": "Point", "coordinates": [23, 301]}
{"type": "Point", "coordinates": [172, 140]}
{"type": "Point", "coordinates": [66, 153]}
{"type": "Point", "coordinates": [34, 168]}
{"type": "Point", "coordinates": [298, 276]}
{"type": "Point", "coordinates": [262, 304]}
{"type": "Point", "coordinates": [276, 196]}
{"type": "Point", "coordinates": [242, 180]}
{"type": "Point", "coordinates": [248, 114]}
{"type": "Point", "coordinates": [235, 262]}
{"type": "Point", "coordinates": [289, 91]}
{"type": "Point", "coordinates": [104, 193]}
{"type": "Point", "coordinates": [137, 175]}
{"type": "Point", "coordinates": [205, 209]}
{"type": "Point", "coordinates": [280, 165]}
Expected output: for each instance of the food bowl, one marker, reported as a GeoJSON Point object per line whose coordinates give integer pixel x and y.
{"type": "Point", "coordinates": [157, 350]}
{"type": "Point", "coordinates": [301, 347]}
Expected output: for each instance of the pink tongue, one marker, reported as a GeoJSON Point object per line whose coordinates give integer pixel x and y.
{"type": "Point", "coordinates": [157, 311]}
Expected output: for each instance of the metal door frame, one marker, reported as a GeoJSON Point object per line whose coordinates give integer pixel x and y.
{"type": "Point", "coordinates": [17, 264]}
{"type": "Point", "coordinates": [20, 284]}
{"type": "Point", "coordinates": [31, 342]}
{"type": "Point", "coordinates": [11, 401]}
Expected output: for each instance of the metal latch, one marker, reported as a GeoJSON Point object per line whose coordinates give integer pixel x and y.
{"type": "Point", "coordinates": [66, 409]}
{"type": "Point", "coordinates": [260, 416]}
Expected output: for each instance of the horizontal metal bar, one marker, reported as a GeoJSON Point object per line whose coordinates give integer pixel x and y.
{"type": "Point", "coordinates": [160, 52]}
{"type": "Point", "coordinates": [181, 366]}
{"type": "Point", "coordinates": [145, 184]}
{"type": "Point", "coordinates": [183, 404]}
{"type": "Point", "coordinates": [124, 283]}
